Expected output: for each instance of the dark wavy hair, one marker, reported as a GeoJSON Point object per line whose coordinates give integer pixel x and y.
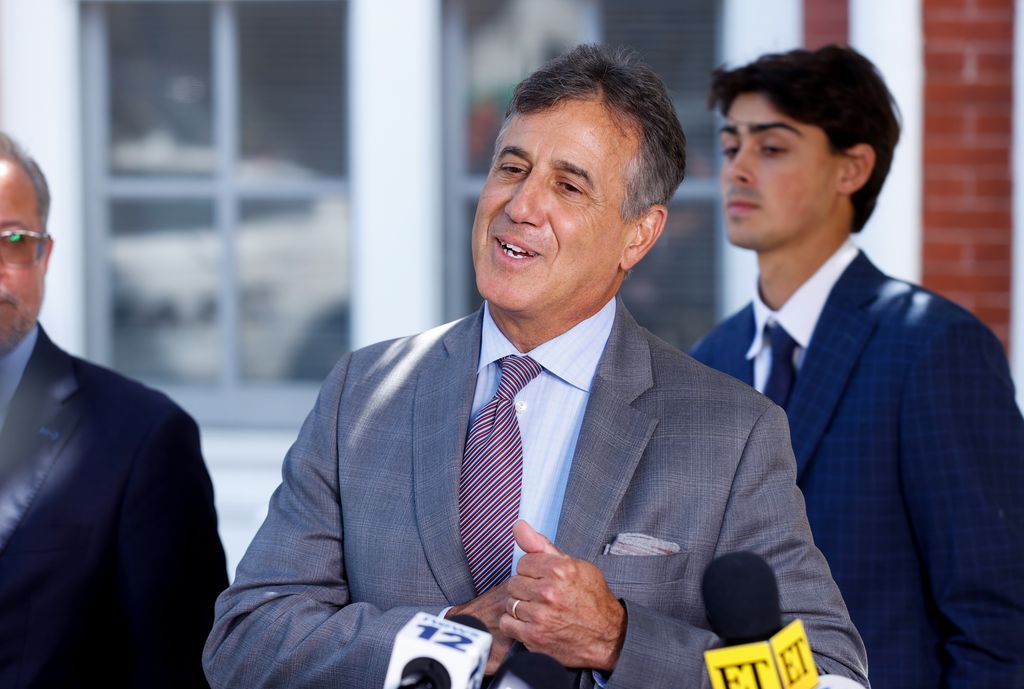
{"type": "Point", "coordinates": [633, 93]}
{"type": "Point", "coordinates": [834, 88]}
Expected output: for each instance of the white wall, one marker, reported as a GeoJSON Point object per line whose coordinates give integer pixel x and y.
{"type": "Point", "coordinates": [39, 107]}
{"type": "Point", "coordinates": [750, 28]}
{"type": "Point", "coordinates": [890, 35]}
{"type": "Point", "coordinates": [395, 104]}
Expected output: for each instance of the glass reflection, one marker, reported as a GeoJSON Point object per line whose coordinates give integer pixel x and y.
{"type": "Point", "coordinates": [292, 85]}
{"type": "Point", "coordinates": [165, 262]}
{"type": "Point", "coordinates": [294, 288]}
{"type": "Point", "coordinates": [159, 82]}
{"type": "Point", "coordinates": [671, 292]}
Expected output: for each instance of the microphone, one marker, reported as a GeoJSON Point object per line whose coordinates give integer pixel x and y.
{"type": "Point", "coordinates": [531, 670]}
{"type": "Point", "coordinates": [742, 602]}
{"type": "Point", "coordinates": [432, 652]}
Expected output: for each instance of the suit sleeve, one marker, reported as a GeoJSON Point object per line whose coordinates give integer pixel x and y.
{"type": "Point", "coordinates": [963, 475]}
{"type": "Point", "coordinates": [170, 563]}
{"type": "Point", "coordinates": [288, 618]}
{"type": "Point", "coordinates": [765, 514]}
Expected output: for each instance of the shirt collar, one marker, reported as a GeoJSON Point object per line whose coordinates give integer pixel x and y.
{"type": "Point", "coordinates": [12, 366]}
{"type": "Point", "coordinates": [572, 356]}
{"type": "Point", "coordinates": [801, 311]}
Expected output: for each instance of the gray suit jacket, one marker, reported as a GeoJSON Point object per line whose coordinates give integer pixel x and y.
{"type": "Point", "coordinates": [363, 531]}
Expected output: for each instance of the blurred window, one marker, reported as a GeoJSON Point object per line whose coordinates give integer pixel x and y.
{"type": "Point", "coordinates": [490, 45]}
{"type": "Point", "coordinates": [218, 199]}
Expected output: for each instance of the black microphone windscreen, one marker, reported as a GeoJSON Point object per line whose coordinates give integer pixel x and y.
{"type": "Point", "coordinates": [741, 598]}
{"type": "Point", "coordinates": [531, 671]}
{"type": "Point", "coordinates": [469, 621]}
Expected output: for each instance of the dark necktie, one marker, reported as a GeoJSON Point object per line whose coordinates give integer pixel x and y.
{"type": "Point", "coordinates": [492, 478]}
{"type": "Point", "coordinates": [783, 372]}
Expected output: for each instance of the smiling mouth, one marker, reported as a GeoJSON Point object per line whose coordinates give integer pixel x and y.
{"type": "Point", "coordinates": [514, 251]}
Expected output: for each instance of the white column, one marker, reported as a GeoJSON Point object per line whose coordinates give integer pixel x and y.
{"type": "Point", "coordinates": [751, 28]}
{"type": "Point", "coordinates": [890, 35]}
{"type": "Point", "coordinates": [39, 107]}
{"type": "Point", "coordinates": [1017, 290]}
{"type": "Point", "coordinates": [396, 167]}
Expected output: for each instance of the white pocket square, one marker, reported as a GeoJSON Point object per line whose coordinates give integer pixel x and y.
{"type": "Point", "coordinates": [640, 544]}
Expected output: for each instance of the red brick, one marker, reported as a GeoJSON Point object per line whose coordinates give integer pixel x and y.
{"type": "Point", "coordinates": [947, 61]}
{"type": "Point", "coordinates": [989, 27]}
{"type": "Point", "coordinates": [826, 21]}
{"type": "Point", "coordinates": [989, 186]}
{"type": "Point", "coordinates": [1001, 123]}
{"type": "Point", "coordinates": [948, 187]}
{"type": "Point", "coordinates": [960, 94]}
{"type": "Point", "coordinates": [996, 63]}
{"type": "Point", "coordinates": [953, 154]}
{"type": "Point", "coordinates": [974, 204]}
{"type": "Point", "coordinates": [992, 251]}
{"type": "Point", "coordinates": [970, 220]}
{"type": "Point", "coordinates": [935, 252]}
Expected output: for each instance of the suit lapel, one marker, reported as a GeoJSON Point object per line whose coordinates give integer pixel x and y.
{"type": "Point", "coordinates": [733, 358]}
{"type": "Point", "coordinates": [37, 427]}
{"type": "Point", "coordinates": [612, 439]}
{"type": "Point", "coordinates": [442, 405]}
{"type": "Point", "coordinates": [842, 331]}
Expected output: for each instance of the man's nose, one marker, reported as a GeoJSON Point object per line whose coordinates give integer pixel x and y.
{"type": "Point", "coordinates": [739, 169]}
{"type": "Point", "coordinates": [526, 204]}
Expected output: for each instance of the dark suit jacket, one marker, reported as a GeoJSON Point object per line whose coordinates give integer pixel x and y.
{"type": "Point", "coordinates": [109, 555]}
{"type": "Point", "coordinates": [364, 530]}
{"type": "Point", "coordinates": [910, 453]}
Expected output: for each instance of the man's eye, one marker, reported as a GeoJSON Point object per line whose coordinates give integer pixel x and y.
{"type": "Point", "coordinates": [570, 188]}
{"type": "Point", "coordinates": [511, 169]}
{"type": "Point", "coordinates": [772, 150]}
{"type": "Point", "coordinates": [730, 151]}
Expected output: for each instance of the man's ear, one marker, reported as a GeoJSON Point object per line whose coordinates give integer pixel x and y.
{"type": "Point", "coordinates": [644, 232]}
{"type": "Point", "coordinates": [858, 162]}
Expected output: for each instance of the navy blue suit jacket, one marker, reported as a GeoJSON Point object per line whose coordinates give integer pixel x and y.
{"type": "Point", "coordinates": [910, 454]}
{"type": "Point", "coordinates": [110, 560]}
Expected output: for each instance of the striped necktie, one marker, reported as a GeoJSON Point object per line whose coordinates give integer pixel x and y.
{"type": "Point", "coordinates": [492, 477]}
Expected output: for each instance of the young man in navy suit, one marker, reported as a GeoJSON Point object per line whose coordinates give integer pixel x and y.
{"type": "Point", "coordinates": [109, 555]}
{"type": "Point", "coordinates": [909, 445]}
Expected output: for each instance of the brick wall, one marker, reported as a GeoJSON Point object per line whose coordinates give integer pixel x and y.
{"type": "Point", "coordinates": [968, 94]}
{"type": "Point", "coordinates": [826, 21]}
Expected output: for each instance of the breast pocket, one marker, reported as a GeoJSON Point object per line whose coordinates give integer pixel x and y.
{"type": "Point", "coordinates": [647, 579]}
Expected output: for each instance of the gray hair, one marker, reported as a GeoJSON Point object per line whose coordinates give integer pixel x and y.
{"type": "Point", "coordinates": [12, 151]}
{"type": "Point", "coordinates": [631, 91]}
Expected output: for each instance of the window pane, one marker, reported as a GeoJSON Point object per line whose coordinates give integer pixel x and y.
{"type": "Point", "coordinates": [507, 40]}
{"type": "Point", "coordinates": [294, 286]}
{"type": "Point", "coordinates": [165, 264]}
{"type": "Point", "coordinates": [292, 88]}
{"type": "Point", "coordinates": [678, 40]}
{"type": "Point", "coordinates": [159, 81]}
{"type": "Point", "coordinates": [672, 291]}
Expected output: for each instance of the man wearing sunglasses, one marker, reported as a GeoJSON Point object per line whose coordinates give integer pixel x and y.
{"type": "Point", "coordinates": [109, 555]}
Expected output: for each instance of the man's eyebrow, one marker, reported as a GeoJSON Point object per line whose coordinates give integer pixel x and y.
{"type": "Point", "coordinates": [573, 169]}
{"type": "Point", "coordinates": [758, 127]}
{"type": "Point", "coordinates": [511, 150]}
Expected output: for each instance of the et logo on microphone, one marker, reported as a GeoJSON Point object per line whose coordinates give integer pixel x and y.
{"type": "Point", "coordinates": [782, 662]}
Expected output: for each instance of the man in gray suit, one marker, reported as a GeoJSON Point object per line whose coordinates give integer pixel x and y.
{"type": "Point", "coordinates": [631, 466]}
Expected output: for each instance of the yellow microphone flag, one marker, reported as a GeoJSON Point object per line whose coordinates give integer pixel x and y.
{"type": "Point", "coordinates": [782, 662]}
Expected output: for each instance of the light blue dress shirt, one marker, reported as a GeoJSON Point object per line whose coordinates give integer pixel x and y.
{"type": "Point", "coordinates": [549, 409]}
{"type": "Point", "coordinates": [12, 368]}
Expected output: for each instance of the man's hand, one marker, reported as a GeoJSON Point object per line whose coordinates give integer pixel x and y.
{"type": "Point", "coordinates": [565, 608]}
{"type": "Point", "coordinates": [489, 608]}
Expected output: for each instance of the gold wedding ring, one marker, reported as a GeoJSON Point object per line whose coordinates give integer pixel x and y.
{"type": "Point", "coordinates": [515, 604]}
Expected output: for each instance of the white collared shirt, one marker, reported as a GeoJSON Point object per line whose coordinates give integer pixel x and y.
{"type": "Point", "coordinates": [799, 315]}
{"type": "Point", "coordinates": [549, 409]}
